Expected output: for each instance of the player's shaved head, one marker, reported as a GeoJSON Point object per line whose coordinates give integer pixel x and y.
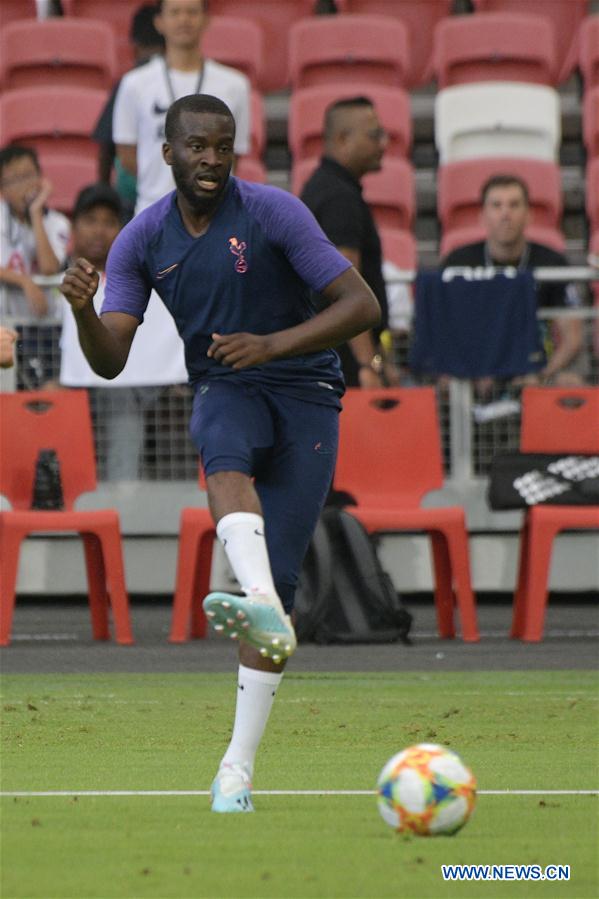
{"type": "Point", "coordinates": [196, 103]}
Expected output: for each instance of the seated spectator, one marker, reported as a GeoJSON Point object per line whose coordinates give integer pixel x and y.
{"type": "Point", "coordinates": [505, 213]}
{"type": "Point", "coordinates": [146, 43]}
{"type": "Point", "coordinates": [145, 94]}
{"type": "Point", "coordinates": [121, 403]}
{"type": "Point", "coordinates": [33, 240]}
{"type": "Point", "coordinates": [354, 144]}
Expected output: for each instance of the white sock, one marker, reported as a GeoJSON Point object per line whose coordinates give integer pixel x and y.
{"type": "Point", "coordinates": [242, 535]}
{"type": "Point", "coordinates": [255, 695]}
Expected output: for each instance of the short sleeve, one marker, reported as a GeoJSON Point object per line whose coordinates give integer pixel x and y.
{"type": "Point", "coordinates": [127, 285]}
{"type": "Point", "coordinates": [289, 224]}
{"type": "Point", "coordinates": [124, 119]}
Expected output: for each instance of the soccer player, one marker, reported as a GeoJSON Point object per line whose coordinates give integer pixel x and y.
{"type": "Point", "coordinates": [234, 263]}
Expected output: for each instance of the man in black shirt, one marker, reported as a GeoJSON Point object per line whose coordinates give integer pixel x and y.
{"type": "Point", "coordinates": [505, 211]}
{"type": "Point", "coordinates": [354, 144]}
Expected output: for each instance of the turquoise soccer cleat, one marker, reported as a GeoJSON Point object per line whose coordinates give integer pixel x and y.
{"type": "Point", "coordinates": [231, 789]}
{"type": "Point", "coordinates": [253, 618]}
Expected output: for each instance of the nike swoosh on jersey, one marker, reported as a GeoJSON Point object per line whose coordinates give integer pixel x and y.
{"type": "Point", "coordinates": [165, 271]}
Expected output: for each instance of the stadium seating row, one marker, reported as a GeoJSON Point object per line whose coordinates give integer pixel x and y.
{"type": "Point", "coordinates": [401, 42]}
{"type": "Point", "coordinates": [58, 121]}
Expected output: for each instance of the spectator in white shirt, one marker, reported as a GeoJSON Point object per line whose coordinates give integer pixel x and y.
{"type": "Point", "coordinates": [156, 361]}
{"type": "Point", "coordinates": [146, 93]}
{"type": "Point", "coordinates": [33, 240]}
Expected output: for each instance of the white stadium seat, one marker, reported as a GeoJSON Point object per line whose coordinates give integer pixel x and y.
{"type": "Point", "coordinates": [497, 118]}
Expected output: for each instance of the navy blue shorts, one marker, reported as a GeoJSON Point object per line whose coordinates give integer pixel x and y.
{"type": "Point", "coordinates": [289, 447]}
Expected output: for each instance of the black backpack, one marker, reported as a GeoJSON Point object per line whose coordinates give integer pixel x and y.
{"type": "Point", "coordinates": [344, 595]}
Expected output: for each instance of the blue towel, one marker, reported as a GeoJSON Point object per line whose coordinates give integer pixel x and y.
{"type": "Point", "coordinates": [476, 328]}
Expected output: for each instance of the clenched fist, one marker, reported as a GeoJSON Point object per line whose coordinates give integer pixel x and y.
{"type": "Point", "coordinates": [80, 284]}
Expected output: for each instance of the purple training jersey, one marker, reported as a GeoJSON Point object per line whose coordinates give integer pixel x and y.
{"type": "Point", "coordinates": [253, 270]}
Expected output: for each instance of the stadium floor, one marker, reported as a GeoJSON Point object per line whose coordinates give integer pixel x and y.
{"type": "Point", "coordinates": [55, 637]}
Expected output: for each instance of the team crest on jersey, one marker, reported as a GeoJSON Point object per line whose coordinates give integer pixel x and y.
{"type": "Point", "coordinates": [238, 248]}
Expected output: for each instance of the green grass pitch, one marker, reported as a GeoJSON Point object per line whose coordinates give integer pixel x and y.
{"type": "Point", "coordinates": [516, 730]}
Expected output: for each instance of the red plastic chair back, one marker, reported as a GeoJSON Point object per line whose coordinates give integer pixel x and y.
{"type": "Point", "coordinates": [249, 169]}
{"type": "Point", "coordinates": [68, 175]}
{"type": "Point", "coordinates": [275, 18]}
{"type": "Point", "coordinates": [390, 446]}
{"type": "Point", "coordinates": [419, 18]}
{"type": "Point", "coordinates": [560, 420]}
{"type": "Point", "coordinates": [11, 10]}
{"type": "Point", "coordinates": [33, 421]}
{"type": "Point", "coordinates": [117, 13]}
{"type": "Point", "coordinates": [565, 16]}
{"type": "Point", "coordinates": [57, 120]}
{"type": "Point", "coordinates": [308, 105]}
{"type": "Point", "coordinates": [235, 42]}
{"type": "Point", "coordinates": [589, 51]}
{"type": "Point", "coordinates": [391, 194]}
{"type": "Point", "coordinates": [57, 51]}
{"type": "Point", "coordinates": [338, 49]}
{"type": "Point", "coordinates": [399, 247]}
{"type": "Point", "coordinates": [494, 47]}
{"type": "Point", "coordinates": [257, 125]}
{"type": "Point", "coordinates": [460, 183]}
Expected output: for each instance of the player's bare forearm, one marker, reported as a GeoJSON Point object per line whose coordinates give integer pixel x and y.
{"type": "Point", "coordinates": [353, 308]}
{"type": "Point", "coordinates": [105, 341]}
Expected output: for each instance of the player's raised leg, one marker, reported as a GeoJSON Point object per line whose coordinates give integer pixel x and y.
{"type": "Point", "coordinates": [257, 617]}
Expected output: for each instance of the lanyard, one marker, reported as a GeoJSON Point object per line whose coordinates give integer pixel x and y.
{"type": "Point", "coordinates": [169, 83]}
{"type": "Point", "coordinates": [522, 264]}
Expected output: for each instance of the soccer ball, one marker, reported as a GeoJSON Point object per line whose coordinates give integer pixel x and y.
{"type": "Point", "coordinates": [426, 789]}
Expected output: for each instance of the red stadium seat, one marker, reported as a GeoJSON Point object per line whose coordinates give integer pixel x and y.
{"type": "Point", "coordinates": [460, 237]}
{"type": "Point", "coordinates": [237, 43]}
{"type": "Point", "coordinates": [554, 420]}
{"type": "Point", "coordinates": [118, 14]}
{"type": "Point", "coordinates": [459, 187]}
{"type": "Point", "coordinates": [275, 18]}
{"type": "Point", "coordinates": [53, 120]}
{"type": "Point", "coordinates": [308, 105]}
{"type": "Point", "coordinates": [390, 193]}
{"type": "Point", "coordinates": [566, 17]}
{"type": "Point", "coordinates": [590, 121]}
{"type": "Point", "coordinates": [399, 247]}
{"type": "Point", "coordinates": [257, 125]}
{"type": "Point", "coordinates": [340, 49]}
{"type": "Point", "coordinates": [250, 169]}
{"type": "Point", "coordinates": [16, 9]}
{"type": "Point", "coordinates": [68, 175]}
{"type": "Point", "coordinates": [419, 18]}
{"type": "Point", "coordinates": [57, 51]}
{"type": "Point", "coordinates": [592, 193]}
{"type": "Point", "coordinates": [589, 51]}
{"type": "Point", "coordinates": [59, 420]}
{"type": "Point", "coordinates": [400, 429]}
{"type": "Point", "coordinates": [495, 47]}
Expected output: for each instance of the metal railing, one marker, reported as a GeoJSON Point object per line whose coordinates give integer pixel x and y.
{"type": "Point", "coordinates": [472, 433]}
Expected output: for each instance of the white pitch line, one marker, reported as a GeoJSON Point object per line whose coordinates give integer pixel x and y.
{"type": "Point", "coordinates": [23, 794]}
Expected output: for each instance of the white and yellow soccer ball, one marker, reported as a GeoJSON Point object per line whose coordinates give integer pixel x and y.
{"type": "Point", "coordinates": [427, 790]}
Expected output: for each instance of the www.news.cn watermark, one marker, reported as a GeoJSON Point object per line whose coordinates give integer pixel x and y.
{"type": "Point", "coordinates": [505, 872]}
